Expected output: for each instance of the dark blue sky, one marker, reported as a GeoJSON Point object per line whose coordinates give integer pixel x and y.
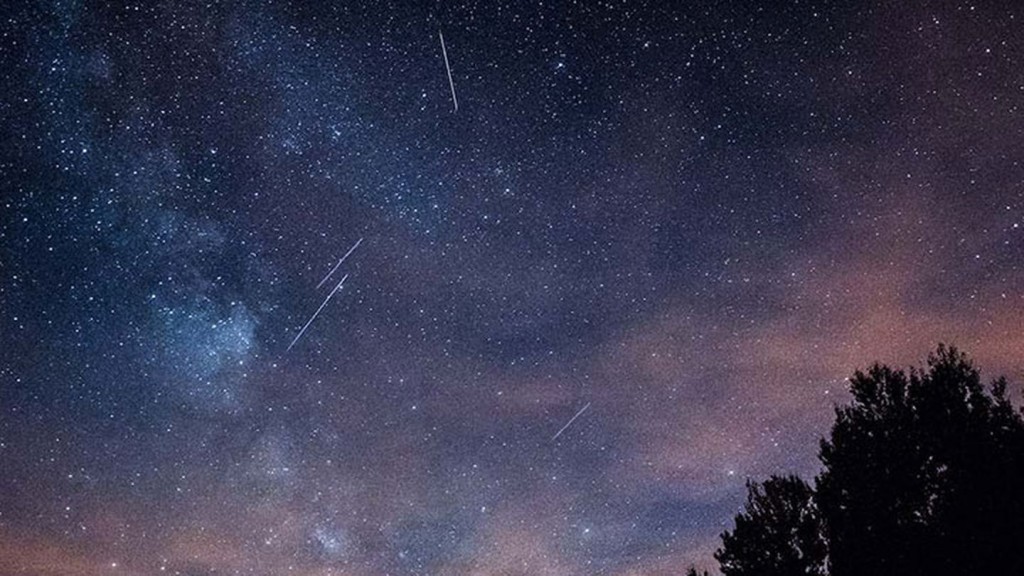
{"type": "Point", "coordinates": [695, 220]}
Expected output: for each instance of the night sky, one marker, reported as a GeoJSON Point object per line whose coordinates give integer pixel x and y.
{"type": "Point", "coordinates": [676, 227]}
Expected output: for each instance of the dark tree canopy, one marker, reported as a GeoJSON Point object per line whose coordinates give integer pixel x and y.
{"type": "Point", "coordinates": [777, 535]}
{"type": "Point", "coordinates": [923, 473]}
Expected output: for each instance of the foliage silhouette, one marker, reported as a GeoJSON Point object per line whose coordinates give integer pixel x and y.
{"type": "Point", "coordinates": [779, 534]}
{"type": "Point", "coordinates": [923, 473]}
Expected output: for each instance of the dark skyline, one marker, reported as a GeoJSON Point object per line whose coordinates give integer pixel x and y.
{"type": "Point", "coordinates": [683, 226]}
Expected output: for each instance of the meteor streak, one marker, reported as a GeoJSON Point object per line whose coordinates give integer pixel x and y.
{"type": "Point", "coordinates": [333, 270]}
{"type": "Point", "coordinates": [449, 69]}
{"type": "Point", "coordinates": [317, 313]}
{"type": "Point", "coordinates": [571, 420]}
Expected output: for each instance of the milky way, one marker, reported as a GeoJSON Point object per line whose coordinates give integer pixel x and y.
{"type": "Point", "coordinates": [693, 222]}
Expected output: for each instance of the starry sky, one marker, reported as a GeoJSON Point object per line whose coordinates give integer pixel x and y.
{"type": "Point", "coordinates": [677, 227]}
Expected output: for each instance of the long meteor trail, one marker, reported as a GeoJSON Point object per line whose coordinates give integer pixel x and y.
{"type": "Point", "coordinates": [449, 69]}
{"type": "Point", "coordinates": [317, 313]}
{"type": "Point", "coordinates": [333, 270]}
{"type": "Point", "coordinates": [571, 420]}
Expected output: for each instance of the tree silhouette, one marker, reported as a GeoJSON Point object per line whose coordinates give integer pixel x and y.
{"type": "Point", "coordinates": [779, 534]}
{"type": "Point", "coordinates": [923, 474]}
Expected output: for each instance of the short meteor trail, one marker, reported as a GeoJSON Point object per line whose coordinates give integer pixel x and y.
{"type": "Point", "coordinates": [333, 270]}
{"type": "Point", "coordinates": [571, 420]}
{"type": "Point", "coordinates": [317, 313]}
{"type": "Point", "coordinates": [449, 69]}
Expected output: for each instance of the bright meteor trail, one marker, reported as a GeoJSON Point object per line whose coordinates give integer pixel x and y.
{"type": "Point", "coordinates": [571, 420]}
{"type": "Point", "coordinates": [347, 254]}
{"type": "Point", "coordinates": [449, 69]}
{"type": "Point", "coordinates": [317, 313]}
